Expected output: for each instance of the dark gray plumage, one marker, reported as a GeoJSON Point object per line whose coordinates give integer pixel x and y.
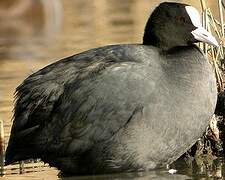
{"type": "Point", "coordinates": [117, 108]}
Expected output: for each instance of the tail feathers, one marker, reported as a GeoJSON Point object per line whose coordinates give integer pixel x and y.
{"type": "Point", "coordinates": [21, 146]}
{"type": "Point", "coordinates": [19, 155]}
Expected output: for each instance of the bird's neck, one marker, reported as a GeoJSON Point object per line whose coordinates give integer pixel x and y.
{"type": "Point", "coordinates": [165, 43]}
{"type": "Point", "coordinates": [154, 41]}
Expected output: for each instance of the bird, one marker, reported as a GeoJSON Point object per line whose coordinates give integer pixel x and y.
{"type": "Point", "coordinates": [120, 108]}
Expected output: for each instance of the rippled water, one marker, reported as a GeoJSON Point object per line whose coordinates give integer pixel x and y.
{"type": "Point", "coordinates": [214, 170]}
{"type": "Point", "coordinates": [34, 33]}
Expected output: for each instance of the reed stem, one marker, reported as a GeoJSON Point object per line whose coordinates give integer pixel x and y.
{"type": "Point", "coordinates": [2, 148]}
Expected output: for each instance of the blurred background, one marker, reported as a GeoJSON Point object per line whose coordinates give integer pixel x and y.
{"type": "Point", "coordinates": [34, 33]}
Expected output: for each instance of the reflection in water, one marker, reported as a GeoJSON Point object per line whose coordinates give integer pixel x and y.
{"type": "Point", "coordinates": [158, 175]}
{"type": "Point", "coordinates": [34, 33]}
{"type": "Point", "coordinates": [27, 24]}
{"type": "Point", "coordinates": [186, 170]}
{"type": "Point", "coordinates": [200, 167]}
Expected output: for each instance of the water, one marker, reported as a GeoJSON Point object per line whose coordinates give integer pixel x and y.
{"type": "Point", "coordinates": [34, 33]}
{"type": "Point", "coordinates": [208, 171]}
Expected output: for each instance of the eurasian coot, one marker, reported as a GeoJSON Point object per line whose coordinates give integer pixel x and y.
{"type": "Point", "coordinates": [120, 107]}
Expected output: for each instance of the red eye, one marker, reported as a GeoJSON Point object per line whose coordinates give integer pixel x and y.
{"type": "Point", "coordinates": [181, 19]}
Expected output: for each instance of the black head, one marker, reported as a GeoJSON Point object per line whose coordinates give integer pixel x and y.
{"type": "Point", "coordinates": [175, 24]}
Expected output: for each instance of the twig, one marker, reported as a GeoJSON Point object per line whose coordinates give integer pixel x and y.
{"type": "Point", "coordinates": [213, 23]}
{"type": "Point", "coordinates": [2, 148]}
{"type": "Point", "coordinates": [221, 17]}
{"type": "Point", "coordinates": [203, 4]}
{"type": "Point", "coordinates": [21, 165]}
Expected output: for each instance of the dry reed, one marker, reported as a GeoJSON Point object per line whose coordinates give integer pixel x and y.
{"type": "Point", "coordinates": [2, 148]}
{"type": "Point", "coordinates": [216, 27]}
